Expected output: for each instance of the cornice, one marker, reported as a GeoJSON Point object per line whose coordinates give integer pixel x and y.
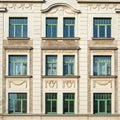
{"type": "Point", "coordinates": [22, 1]}
{"type": "Point", "coordinates": [98, 1]}
{"type": "Point", "coordinates": [2, 9]}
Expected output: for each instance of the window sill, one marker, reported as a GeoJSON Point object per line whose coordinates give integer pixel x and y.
{"type": "Point", "coordinates": [103, 38]}
{"type": "Point", "coordinates": [60, 76]}
{"type": "Point", "coordinates": [112, 76]}
{"type": "Point", "coordinates": [60, 38]}
{"type": "Point", "coordinates": [10, 38]}
{"type": "Point", "coordinates": [27, 76]}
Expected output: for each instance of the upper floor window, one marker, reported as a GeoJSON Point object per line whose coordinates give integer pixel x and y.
{"type": "Point", "coordinates": [69, 24]}
{"type": "Point", "coordinates": [18, 27]}
{"type": "Point", "coordinates": [17, 65]}
{"type": "Point", "coordinates": [51, 27]}
{"type": "Point", "coordinates": [17, 103]}
{"type": "Point", "coordinates": [68, 65]}
{"type": "Point", "coordinates": [102, 103]}
{"type": "Point", "coordinates": [102, 28]}
{"type": "Point", "coordinates": [101, 65]}
{"type": "Point", "coordinates": [68, 103]}
{"type": "Point", "coordinates": [51, 103]}
{"type": "Point", "coordinates": [51, 65]}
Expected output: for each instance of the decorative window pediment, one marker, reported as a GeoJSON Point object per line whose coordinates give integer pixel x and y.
{"type": "Point", "coordinates": [61, 7]}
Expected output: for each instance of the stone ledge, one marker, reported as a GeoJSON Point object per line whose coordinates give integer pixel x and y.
{"type": "Point", "coordinates": [60, 38]}
{"type": "Point", "coordinates": [17, 47]}
{"type": "Point", "coordinates": [112, 76]}
{"type": "Point", "coordinates": [2, 9]}
{"type": "Point", "coordinates": [27, 76]}
{"type": "Point", "coordinates": [60, 48]}
{"type": "Point", "coordinates": [98, 1]}
{"type": "Point", "coordinates": [103, 48]}
{"type": "Point", "coordinates": [60, 76]}
{"type": "Point", "coordinates": [103, 38]}
{"type": "Point", "coordinates": [26, 38]}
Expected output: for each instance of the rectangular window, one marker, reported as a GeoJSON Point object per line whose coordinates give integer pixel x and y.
{"type": "Point", "coordinates": [51, 65]}
{"type": "Point", "coordinates": [68, 65]}
{"type": "Point", "coordinates": [51, 103]}
{"type": "Point", "coordinates": [17, 103]}
{"type": "Point", "coordinates": [69, 24]}
{"type": "Point", "coordinates": [102, 103]}
{"type": "Point", "coordinates": [51, 27]}
{"type": "Point", "coordinates": [102, 65]}
{"type": "Point", "coordinates": [17, 65]}
{"type": "Point", "coordinates": [68, 103]}
{"type": "Point", "coordinates": [102, 27]}
{"type": "Point", "coordinates": [18, 27]}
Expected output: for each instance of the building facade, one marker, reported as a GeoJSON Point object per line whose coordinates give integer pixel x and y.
{"type": "Point", "coordinates": [59, 59]}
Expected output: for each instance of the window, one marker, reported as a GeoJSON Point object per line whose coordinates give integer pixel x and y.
{"type": "Point", "coordinates": [102, 65]}
{"type": "Point", "coordinates": [102, 103]}
{"type": "Point", "coordinates": [51, 65]}
{"type": "Point", "coordinates": [69, 24]}
{"type": "Point", "coordinates": [18, 27]}
{"type": "Point", "coordinates": [68, 65]}
{"type": "Point", "coordinates": [51, 27]}
{"type": "Point", "coordinates": [17, 103]}
{"type": "Point", "coordinates": [17, 65]}
{"type": "Point", "coordinates": [102, 28]}
{"type": "Point", "coordinates": [68, 103]}
{"type": "Point", "coordinates": [51, 103]}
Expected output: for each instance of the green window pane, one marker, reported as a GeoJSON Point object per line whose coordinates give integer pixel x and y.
{"type": "Point", "coordinates": [17, 65]}
{"type": "Point", "coordinates": [102, 65]}
{"type": "Point", "coordinates": [18, 27]}
{"type": "Point", "coordinates": [51, 103]}
{"type": "Point", "coordinates": [102, 27]}
{"type": "Point", "coordinates": [51, 65]}
{"type": "Point", "coordinates": [102, 106]}
{"type": "Point", "coordinates": [69, 24]}
{"type": "Point", "coordinates": [51, 27]}
{"type": "Point", "coordinates": [17, 103]}
{"type": "Point", "coordinates": [68, 103]}
{"type": "Point", "coordinates": [102, 103]}
{"type": "Point", "coordinates": [68, 65]}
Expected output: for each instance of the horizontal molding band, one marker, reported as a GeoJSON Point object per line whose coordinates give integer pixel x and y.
{"type": "Point", "coordinates": [112, 76]}
{"type": "Point", "coordinates": [98, 1]}
{"type": "Point", "coordinates": [27, 76]}
{"type": "Point", "coordinates": [60, 38]}
{"type": "Point", "coordinates": [103, 48]}
{"type": "Point", "coordinates": [18, 47]}
{"type": "Point", "coordinates": [60, 48]}
{"type": "Point", "coordinates": [62, 115]}
{"type": "Point", "coordinates": [2, 9]}
{"type": "Point", "coordinates": [60, 76]}
{"type": "Point", "coordinates": [22, 1]}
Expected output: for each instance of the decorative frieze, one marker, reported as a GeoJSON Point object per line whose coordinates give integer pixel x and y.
{"type": "Point", "coordinates": [18, 5]}
{"type": "Point", "coordinates": [51, 84]}
{"type": "Point", "coordinates": [101, 6]}
{"type": "Point", "coordinates": [102, 83]}
{"type": "Point", "coordinates": [68, 84]}
{"type": "Point", "coordinates": [17, 83]}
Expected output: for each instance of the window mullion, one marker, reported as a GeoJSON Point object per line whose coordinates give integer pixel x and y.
{"type": "Point", "coordinates": [98, 30]}
{"type": "Point", "coordinates": [22, 27]}
{"type": "Point", "coordinates": [14, 32]}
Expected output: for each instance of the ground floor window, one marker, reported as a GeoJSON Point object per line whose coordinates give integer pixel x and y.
{"type": "Point", "coordinates": [17, 103]}
{"type": "Point", "coordinates": [51, 103]}
{"type": "Point", "coordinates": [102, 103]}
{"type": "Point", "coordinates": [68, 103]}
